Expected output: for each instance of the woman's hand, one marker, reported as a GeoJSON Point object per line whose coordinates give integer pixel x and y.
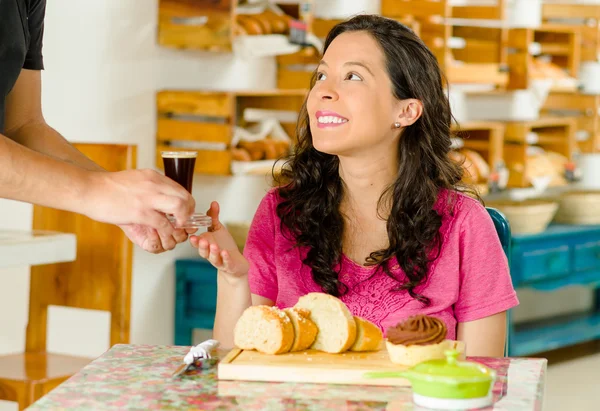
{"type": "Point", "coordinates": [219, 247]}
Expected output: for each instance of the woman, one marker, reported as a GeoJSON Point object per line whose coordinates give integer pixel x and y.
{"type": "Point", "coordinates": [372, 211]}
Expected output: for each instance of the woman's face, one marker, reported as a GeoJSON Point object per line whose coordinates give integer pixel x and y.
{"type": "Point", "coordinates": [351, 107]}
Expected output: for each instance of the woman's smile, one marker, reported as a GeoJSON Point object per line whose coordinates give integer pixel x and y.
{"type": "Point", "coordinates": [328, 119]}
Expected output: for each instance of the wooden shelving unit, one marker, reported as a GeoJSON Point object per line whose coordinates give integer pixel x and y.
{"type": "Point", "coordinates": [203, 121]}
{"type": "Point", "coordinates": [560, 43]}
{"type": "Point", "coordinates": [481, 53]}
{"type": "Point", "coordinates": [483, 137]}
{"type": "Point", "coordinates": [583, 18]}
{"type": "Point", "coordinates": [585, 108]}
{"type": "Point", "coordinates": [196, 25]}
{"type": "Point", "coordinates": [555, 134]}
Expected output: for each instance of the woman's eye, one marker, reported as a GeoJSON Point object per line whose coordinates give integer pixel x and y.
{"type": "Point", "coordinates": [321, 76]}
{"type": "Point", "coordinates": [353, 77]}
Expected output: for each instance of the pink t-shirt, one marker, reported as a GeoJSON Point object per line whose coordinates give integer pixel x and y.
{"type": "Point", "coordinates": [469, 280]}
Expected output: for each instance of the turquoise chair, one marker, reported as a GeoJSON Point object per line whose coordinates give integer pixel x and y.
{"type": "Point", "coordinates": [503, 230]}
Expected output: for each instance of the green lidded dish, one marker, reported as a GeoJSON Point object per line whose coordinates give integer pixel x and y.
{"type": "Point", "coordinates": [447, 383]}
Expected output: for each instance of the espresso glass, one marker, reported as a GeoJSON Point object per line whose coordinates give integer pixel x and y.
{"type": "Point", "coordinates": [179, 167]}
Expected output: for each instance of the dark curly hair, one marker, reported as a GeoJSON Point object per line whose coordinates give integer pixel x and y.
{"type": "Point", "coordinates": [313, 189]}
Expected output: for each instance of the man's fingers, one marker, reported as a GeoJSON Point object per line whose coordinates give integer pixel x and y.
{"type": "Point", "coordinates": [152, 243]}
{"type": "Point", "coordinates": [180, 235]}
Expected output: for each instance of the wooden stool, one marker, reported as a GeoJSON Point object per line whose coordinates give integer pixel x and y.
{"type": "Point", "coordinates": [99, 279]}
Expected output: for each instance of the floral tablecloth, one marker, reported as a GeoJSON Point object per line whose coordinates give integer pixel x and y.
{"type": "Point", "coordinates": [138, 377]}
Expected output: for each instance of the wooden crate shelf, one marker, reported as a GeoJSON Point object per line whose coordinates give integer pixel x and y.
{"type": "Point", "coordinates": [584, 18]}
{"type": "Point", "coordinates": [480, 56]}
{"type": "Point", "coordinates": [484, 137]}
{"type": "Point", "coordinates": [585, 107]}
{"type": "Point", "coordinates": [196, 25]}
{"type": "Point", "coordinates": [214, 25]}
{"type": "Point", "coordinates": [295, 71]}
{"type": "Point", "coordinates": [554, 134]}
{"type": "Point", "coordinates": [560, 43]}
{"type": "Point", "coordinates": [204, 122]}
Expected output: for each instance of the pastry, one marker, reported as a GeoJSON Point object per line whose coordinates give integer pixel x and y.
{"type": "Point", "coordinates": [337, 328]}
{"type": "Point", "coordinates": [305, 331]}
{"type": "Point", "coordinates": [417, 339]}
{"type": "Point", "coordinates": [265, 329]}
{"type": "Point", "coordinates": [368, 336]}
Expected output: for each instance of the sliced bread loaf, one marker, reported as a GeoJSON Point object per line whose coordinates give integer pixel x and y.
{"type": "Point", "coordinates": [368, 336]}
{"type": "Point", "coordinates": [337, 328]}
{"type": "Point", "coordinates": [265, 329]}
{"type": "Point", "coordinates": [305, 331]}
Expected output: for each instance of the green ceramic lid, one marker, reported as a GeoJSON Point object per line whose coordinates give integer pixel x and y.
{"type": "Point", "coordinates": [451, 369]}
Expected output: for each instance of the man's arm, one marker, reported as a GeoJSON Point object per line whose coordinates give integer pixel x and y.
{"type": "Point", "coordinates": [25, 123]}
{"type": "Point", "coordinates": [26, 126]}
{"type": "Point", "coordinates": [26, 175]}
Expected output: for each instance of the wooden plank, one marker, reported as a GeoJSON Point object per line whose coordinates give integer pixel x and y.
{"type": "Point", "coordinates": [476, 73]}
{"type": "Point", "coordinates": [210, 162]}
{"type": "Point", "coordinates": [479, 12]}
{"type": "Point", "coordinates": [322, 27]}
{"type": "Point", "coordinates": [420, 9]}
{"type": "Point", "coordinates": [198, 25]}
{"type": "Point", "coordinates": [515, 156]}
{"type": "Point", "coordinates": [169, 129]}
{"type": "Point", "coordinates": [214, 104]}
{"type": "Point", "coordinates": [585, 103]}
{"type": "Point", "coordinates": [563, 11]}
{"type": "Point", "coordinates": [309, 367]}
{"type": "Point", "coordinates": [291, 79]}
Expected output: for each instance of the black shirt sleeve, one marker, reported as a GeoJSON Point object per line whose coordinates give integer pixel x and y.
{"type": "Point", "coordinates": [36, 11]}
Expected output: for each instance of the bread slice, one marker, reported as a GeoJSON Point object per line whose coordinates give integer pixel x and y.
{"type": "Point", "coordinates": [368, 336]}
{"type": "Point", "coordinates": [264, 329]}
{"type": "Point", "coordinates": [337, 328]}
{"type": "Point", "coordinates": [305, 331]}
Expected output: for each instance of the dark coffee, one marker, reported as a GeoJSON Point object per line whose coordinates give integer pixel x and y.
{"type": "Point", "coordinates": [180, 168]}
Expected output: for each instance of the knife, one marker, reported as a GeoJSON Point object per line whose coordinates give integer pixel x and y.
{"type": "Point", "coordinates": [199, 356]}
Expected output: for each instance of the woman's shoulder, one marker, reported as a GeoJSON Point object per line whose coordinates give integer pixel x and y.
{"type": "Point", "coordinates": [457, 206]}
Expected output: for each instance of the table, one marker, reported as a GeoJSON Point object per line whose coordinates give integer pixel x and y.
{"type": "Point", "coordinates": [138, 377]}
{"type": "Point", "coordinates": [36, 247]}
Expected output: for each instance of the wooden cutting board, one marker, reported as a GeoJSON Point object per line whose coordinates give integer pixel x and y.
{"type": "Point", "coordinates": [309, 367]}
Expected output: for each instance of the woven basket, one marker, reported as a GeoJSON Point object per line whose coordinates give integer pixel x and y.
{"type": "Point", "coordinates": [528, 216]}
{"type": "Point", "coordinates": [579, 207]}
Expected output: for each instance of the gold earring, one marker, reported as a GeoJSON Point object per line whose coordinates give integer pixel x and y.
{"type": "Point", "coordinates": [397, 125]}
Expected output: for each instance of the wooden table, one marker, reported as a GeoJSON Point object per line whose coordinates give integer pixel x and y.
{"type": "Point", "coordinates": [36, 248]}
{"type": "Point", "coordinates": [138, 377]}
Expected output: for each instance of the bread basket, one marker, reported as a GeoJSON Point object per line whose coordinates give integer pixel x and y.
{"type": "Point", "coordinates": [579, 207]}
{"type": "Point", "coordinates": [528, 216]}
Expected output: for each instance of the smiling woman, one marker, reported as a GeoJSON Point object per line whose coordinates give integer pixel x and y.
{"type": "Point", "coordinates": [373, 210]}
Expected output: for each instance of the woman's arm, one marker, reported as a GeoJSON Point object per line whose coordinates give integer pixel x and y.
{"type": "Point", "coordinates": [485, 337]}
{"type": "Point", "coordinates": [233, 297]}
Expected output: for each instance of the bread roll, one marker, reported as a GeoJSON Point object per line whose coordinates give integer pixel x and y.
{"type": "Point", "coordinates": [279, 24]}
{"type": "Point", "coordinates": [255, 148]}
{"type": "Point", "coordinates": [305, 331]}
{"type": "Point", "coordinates": [482, 167]}
{"type": "Point", "coordinates": [337, 328]}
{"type": "Point", "coordinates": [249, 24]}
{"type": "Point", "coordinates": [270, 149]}
{"type": "Point", "coordinates": [240, 154]}
{"type": "Point", "coordinates": [265, 23]}
{"type": "Point", "coordinates": [368, 336]}
{"type": "Point", "coordinates": [264, 329]}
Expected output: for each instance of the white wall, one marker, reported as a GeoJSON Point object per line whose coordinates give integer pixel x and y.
{"type": "Point", "coordinates": [103, 68]}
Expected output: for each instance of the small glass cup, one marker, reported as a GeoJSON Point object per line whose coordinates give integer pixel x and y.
{"type": "Point", "coordinates": [179, 167]}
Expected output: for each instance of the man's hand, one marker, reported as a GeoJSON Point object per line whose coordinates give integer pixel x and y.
{"type": "Point", "coordinates": [137, 197]}
{"type": "Point", "coordinates": [152, 241]}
